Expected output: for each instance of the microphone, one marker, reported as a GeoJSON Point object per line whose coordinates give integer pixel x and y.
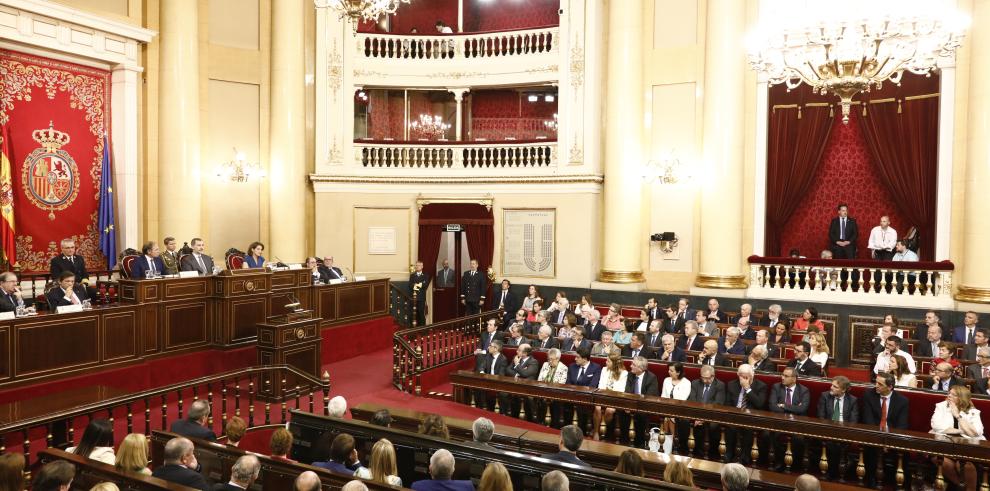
{"type": "Point", "coordinates": [350, 273]}
{"type": "Point", "coordinates": [278, 262]}
{"type": "Point", "coordinates": [294, 304]}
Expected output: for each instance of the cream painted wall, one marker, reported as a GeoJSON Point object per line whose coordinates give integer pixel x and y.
{"type": "Point", "coordinates": [398, 218]}
{"type": "Point", "coordinates": [234, 23]}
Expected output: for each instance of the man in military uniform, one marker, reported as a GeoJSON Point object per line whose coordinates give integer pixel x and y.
{"type": "Point", "coordinates": [419, 282]}
{"type": "Point", "coordinates": [170, 256]}
{"type": "Point", "coordinates": [473, 289]}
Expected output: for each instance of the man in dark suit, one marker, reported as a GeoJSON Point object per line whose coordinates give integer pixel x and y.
{"type": "Point", "coordinates": [840, 406]}
{"type": "Point", "coordinates": [68, 260]}
{"type": "Point", "coordinates": [636, 347]}
{"type": "Point", "coordinates": [762, 339]}
{"type": "Point", "coordinates": [329, 271]}
{"type": "Point", "coordinates": [640, 381]}
{"type": "Point", "coordinates": [66, 293]}
{"type": "Point", "coordinates": [441, 470]}
{"type": "Point", "coordinates": [690, 341]}
{"type": "Point", "coordinates": [493, 363]}
{"type": "Point", "coordinates": [981, 339]}
{"type": "Point", "coordinates": [523, 366]}
{"type": "Point", "coordinates": [584, 373]}
{"type": "Point", "coordinates": [981, 369]}
{"type": "Point", "coordinates": [710, 355]}
{"type": "Point", "coordinates": [744, 392]}
{"type": "Point", "coordinates": [730, 343]}
{"type": "Point", "coordinates": [197, 261]}
{"type": "Point", "coordinates": [419, 283]}
{"type": "Point", "coordinates": [787, 397]}
{"type": "Point", "coordinates": [507, 302]}
{"type": "Point", "coordinates": [10, 292]}
{"type": "Point", "coordinates": [715, 313]}
{"type": "Point", "coordinates": [558, 311]}
{"type": "Point", "coordinates": [514, 336]}
{"type": "Point", "coordinates": [966, 333]}
{"type": "Point", "coordinates": [745, 314]}
{"type": "Point", "coordinates": [473, 289]}
{"type": "Point", "coordinates": [577, 341]}
{"type": "Point", "coordinates": [709, 390]}
{"type": "Point", "coordinates": [594, 325]}
{"type": "Point", "coordinates": [760, 361]}
{"type": "Point", "coordinates": [928, 347]}
{"type": "Point", "coordinates": [445, 276]}
{"type": "Point", "coordinates": [932, 319]}
{"type": "Point", "coordinates": [745, 331]}
{"type": "Point", "coordinates": [804, 366]}
{"type": "Point", "coordinates": [887, 409]}
{"type": "Point", "coordinates": [654, 338]}
{"type": "Point", "coordinates": [179, 465]}
{"type": "Point", "coordinates": [842, 234]}
{"type": "Point", "coordinates": [669, 351]}
{"type": "Point", "coordinates": [684, 313]}
{"type": "Point", "coordinates": [982, 387]}
{"type": "Point", "coordinates": [653, 310]}
{"type": "Point", "coordinates": [571, 437]}
{"type": "Point", "coordinates": [490, 334]}
{"type": "Point", "coordinates": [242, 474]}
{"type": "Point", "coordinates": [545, 339]}
{"type": "Point", "coordinates": [943, 378]}
{"type": "Point", "coordinates": [149, 262]}
{"type": "Point", "coordinates": [194, 426]}
{"type": "Point", "coordinates": [772, 318]}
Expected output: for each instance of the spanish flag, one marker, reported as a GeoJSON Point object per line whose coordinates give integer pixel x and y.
{"type": "Point", "coordinates": [7, 240]}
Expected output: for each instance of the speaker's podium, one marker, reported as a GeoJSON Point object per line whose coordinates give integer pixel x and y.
{"type": "Point", "coordinates": [289, 339]}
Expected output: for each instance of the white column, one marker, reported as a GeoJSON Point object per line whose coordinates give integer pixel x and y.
{"type": "Point", "coordinates": [179, 201]}
{"type": "Point", "coordinates": [126, 82]}
{"type": "Point", "coordinates": [287, 166]}
{"type": "Point", "coordinates": [724, 100]}
{"type": "Point", "coordinates": [459, 119]}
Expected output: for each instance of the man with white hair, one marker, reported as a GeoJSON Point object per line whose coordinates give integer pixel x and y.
{"type": "Point", "coordinates": [441, 471]}
{"type": "Point", "coordinates": [714, 312]}
{"type": "Point", "coordinates": [669, 350]}
{"type": "Point", "coordinates": [307, 481]}
{"type": "Point", "coordinates": [594, 326]}
{"type": "Point", "coordinates": [734, 478]}
{"type": "Point", "coordinates": [690, 341]}
{"type": "Point", "coordinates": [705, 389]}
{"type": "Point", "coordinates": [773, 316]}
{"type": "Point", "coordinates": [242, 474]}
{"type": "Point", "coordinates": [354, 485]}
{"type": "Point", "coordinates": [545, 339]}
{"type": "Point", "coordinates": [762, 339]}
{"type": "Point", "coordinates": [640, 381]}
{"type": "Point", "coordinates": [555, 481]}
{"type": "Point", "coordinates": [730, 343]}
{"type": "Point", "coordinates": [807, 482]}
{"type": "Point", "coordinates": [552, 371]}
{"type": "Point", "coordinates": [482, 430]}
{"type": "Point", "coordinates": [745, 392]}
{"type": "Point", "coordinates": [745, 314]}
{"type": "Point", "coordinates": [180, 465]}
{"type": "Point", "coordinates": [337, 407]}
{"type": "Point", "coordinates": [605, 346]}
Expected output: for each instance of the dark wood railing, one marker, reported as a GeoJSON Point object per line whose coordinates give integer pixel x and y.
{"type": "Point", "coordinates": [419, 349]}
{"type": "Point", "coordinates": [401, 306]}
{"type": "Point", "coordinates": [233, 393]}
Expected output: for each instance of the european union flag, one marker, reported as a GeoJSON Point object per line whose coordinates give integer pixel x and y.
{"type": "Point", "coordinates": [106, 223]}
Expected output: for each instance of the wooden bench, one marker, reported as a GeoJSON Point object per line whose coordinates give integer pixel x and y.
{"type": "Point", "coordinates": [216, 460]}
{"type": "Point", "coordinates": [91, 472]}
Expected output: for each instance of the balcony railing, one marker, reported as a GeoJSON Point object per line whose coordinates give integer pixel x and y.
{"type": "Point", "coordinates": [863, 282]}
{"type": "Point", "coordinates": [442, 155]}
{"type": "Point", "coordinates": [497, 44]}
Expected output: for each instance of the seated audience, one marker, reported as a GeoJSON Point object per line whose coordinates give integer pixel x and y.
{"type": "Point", "coordinates": [630, 463]}
{"type": "Point", "coordinates": [337, 407]}
{"type": "Point", "coordinates": [675, 386]}
{"type": "Point", "coordinates": [494, 363]}
{"type": "Point", "coordinates": [966, 333]}
{"type": "Point", "coordinates": [495, 478]}
{"type": "Point", "coordinates": [802, 361]}
{"type": "Point", "coordinates": [714, 312]}
{"type": "Point", "coordinates": [583, 373]}
{"type": "Point", "coordinates": [654, 338]}
{"type": "Point", "coordinates": [522, 366]}
{"type": "Point", "coordinates": [520, 322]}
{"type": "Point", "coordinates": [706, 327]}
{"type": "Point", "coordinates": [537, 308]}
{"type": "Point", "coordinates": [515, 336]}
{"type": "Point", "coordinates": [96, 442]}
{"type": "Point", "coordinates": [652, 309]}
{"type": "Point", "coordinates": [897, 367]}
{"type": "Point", "coordinates": [552, 371]}
{"type": "Point", "coordinates": [980, 340]}
{"type": "Point", "coordinates": [887, 329]}
{"type": "Point", "coordinates": [613, 378]}
{"type": "Point", "coordinates": [809, 321]}
{"type": "Point", "coordinates": [593, 326]}
{"type": "Point", "coordinates": [788, 397]}
{"type": "Point", "coordinates": [56, 475]}
{"type": "Point", "coordinates": [180, 464]}
{"type": "Point", "coordinates": [235, 429]}
{"type": "Point", "coordinates": [772, 318]}
{"type": "Point", "coordinates": [566, 329]}
{"type": "Point", "coordinates": [613, 320]}
{"type": "Point", "coordinates": [734, 477]}
{"type": "Point", "coordinates": [354, 485]}
{"type": "Point", "coordinates": [760, 361]}
{"type": "Point", "coordinates": [577, 340]}
{"type": "Point", "coordinates": [67, 292]}
{"type": "Point", "coordinates": [745, 314]}
{"type": "Point", "coordinates": [624, 336]}
{"type": "Point", "coordinates": [684, 314]}
{"type": "Point", "coordinates": [677, 472]}
{"type": "Point", "coordinates": [280, 445]}
{"type": "Point", "coordinates": [711, 356]}
{"type": "Point", "coordinates": [874, 401]}
{"type": "Point", "coordinates": [559, 311]}
{"type": "Point", "coordinates": [819, 348]}
{"type": "Point", "coordinates": [807, 482]}
{"type": "Point", "coordinates": [434, 425]}
{"type": "Point", "coordinates": [441, 469]}
{"type": "Point", "coordinates": [762, 339]}
{"type": "Point", "coordinates": [382, 467]}
{"type": "Point", "coordinates": [382, 417]}
{"type": "Point", "coordinates": [781, 333]}
{"type": "Point", "coordinates": [12, 471]}
{"type": "Point", "coordinates": [945, 355]}
{"type": "Point", "coordinates": [307, 481]}
{"type": "Point", "coordinates": [637, 347]}
{"type": "Point", "coordinates": [836, 405]}
{"type": "Point", "coordinates": [605, 346]}
{"type": "Point", "coordinates": [491, 334]}
{"type": "Point", "coordinates": [243, 473]}
{"type": "Point", "coordinates": [730, 343]}
{"type": "Point", "coordinates": [132, 455]}
{"type": "Point", "coordinates": [545, 339]}
{"type": "Point", "coordinates": [892, 346]}
{"type": "Point", "coordinates": [708, 390]}
{"type": "Point", "coordinates": [957, 416]}
{"type": "Point", "coordinates": [928, 347]}
{"type": "Point", "coordinates": [571, 438]}
{"type": "Point", "coordinates": [669, 351]}
{"type": "Point", "coordinates": [194, 426]}
{"type": "Point", "coordinates": [532, 296]}
{"type": "Point", "coordinates": [690, 341]}
{"type": "Point", "coordinates": [744, 392]}
{"type": "Point", "coordinates": [943, 378]}
{"type": "Point", "coordinates": [640, 381]}
{"type": "Point", "coordinates": [981, 370]}
{"type": "Point", "coordinates": [644, 321]}
{"type": "Point", "coordinates": [555, 481]}
{"type": "Point", "coordinates": [482, 430]}
{"type": "Point", "coordinates": [343, 456]}
{"type": "Point", "coordinates": [105, 486]}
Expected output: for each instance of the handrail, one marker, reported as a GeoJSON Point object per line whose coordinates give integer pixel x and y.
{"type": "Point", "coordinates": [456, 34]}
{"type": "Point", "coordinates": [400, 306]}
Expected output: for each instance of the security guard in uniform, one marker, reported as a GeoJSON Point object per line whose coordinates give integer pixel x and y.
{"type": "Point", "coordinates": [473, 289]}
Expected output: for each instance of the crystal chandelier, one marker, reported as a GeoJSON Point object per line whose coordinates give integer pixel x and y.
{"type": "Point", "coordinates": [430, 126]}
{"type": "Point", "coordinates": [552, 125]}
{"type": "Point", "coordinates": [239, 170]}
{"type": "Point", "coordinates": [360, 10]}
{"type": "Point", "coordinates": [845, 47]}
{"type": "Point", "coordinates": [667, 170]}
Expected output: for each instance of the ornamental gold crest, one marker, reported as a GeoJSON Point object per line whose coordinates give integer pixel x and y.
{"type": "Point", "coordinates": [50, 176]}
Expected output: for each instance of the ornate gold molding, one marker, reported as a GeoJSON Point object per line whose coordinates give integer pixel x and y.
{"type": "Point", "coordinates": [487, 201]}
{"type": "Point", "coordinates": [549, 179]}
{"type": "Point", "coordinates": [720, 281]}
{"type": "Point", "coordinates": [609, 276]}
{"type": "Point", "coordinates": [973, 294]}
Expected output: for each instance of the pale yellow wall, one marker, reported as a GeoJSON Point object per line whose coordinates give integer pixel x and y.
{"type": "Point", "coordinates": [397, 218]}
{"type": "Point", "coordinates": [125, 10]}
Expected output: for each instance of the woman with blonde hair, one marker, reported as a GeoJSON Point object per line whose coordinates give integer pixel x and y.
{"type": "Point", "coordinates": [132, 456]}
{"type": "Point", "coordinates": [613, 378]}
{"type": "Point", "coordinates": [495, 478]}
{"type": "Point", "coordinates": [105, 486]}
{"type": "Point", "coordinates": [382, 467]}
{"type": "Point", "coordinates": [956, 416]}
{"type": "Point", "coordinates": [11, 471]}
{"type": "Point", "coordinates": [819, 348]}
{"type": "Point", "coordinates": [677, 472]}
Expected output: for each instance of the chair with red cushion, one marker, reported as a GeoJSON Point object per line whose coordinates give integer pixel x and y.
{"type": "Point", "coordinates": [235, 261]}
{"type": "Point", "coordinates": [126, 264]}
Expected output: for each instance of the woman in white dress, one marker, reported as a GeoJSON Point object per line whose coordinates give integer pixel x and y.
{"type": "Point", "coordinates": [957, 416]}
{"type": "Point", "coordinates": [675, 386]}
{"type": "Point", "coordinates": [903, 377]}
{"type": "Point", "coordinates": [96, 442]}
{"type": "Point", "coordinates": [613, 378]}
{"type": "Point", "coordinates": [819, 348]}
{"type": "Point", "coordinates": [382, 467]}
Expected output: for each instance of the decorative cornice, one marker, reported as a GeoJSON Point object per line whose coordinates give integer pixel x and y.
{"type": "Point", "coordinates": [82, 18]}
{"type": "Point", "coordinates": [568, 179]}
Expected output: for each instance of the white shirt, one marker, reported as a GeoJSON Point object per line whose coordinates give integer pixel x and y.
{"type": "Point", "coordinates": [907, 255]}
{"type": "Point", "coordinates": [942, 419]}
{"type": "Point", "coordinates": [883, 361]}
{"type": "Point", "coordinates": [606, 382]}
{"type": "Point", "coordinates": [680, 392]}
{"type": "Point", "coordinates": [882, 240]}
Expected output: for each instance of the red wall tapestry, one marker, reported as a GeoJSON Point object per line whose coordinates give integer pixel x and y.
{"type": "Point", "coordinates": [57, 113]}
{"type": "Point", "coordinates": [485, 15]}
{"type": "Point", "coordinates": [847, 175]}
{"type": "Point", "coordinates": [500, 114]}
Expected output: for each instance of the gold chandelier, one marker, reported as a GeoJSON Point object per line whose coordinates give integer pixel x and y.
{"type": "Point", "coordinates": [239, 169]}
{"type": "Point", "coordinates": [430, 126]}
{"type": "Point", "coordinates": [845, 47]}
{"type": "Point", "coordinates": [360, 10]}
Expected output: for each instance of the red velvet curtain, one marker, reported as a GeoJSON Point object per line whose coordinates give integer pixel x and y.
{"type": "Point", "coordinates": [902, 136]}
{"type": "Point", "coordinates": [478, 223]}
{"type": "Point", "coordinates": [429, 246]}
{"type": "Point", "coordinates": [796, 142]}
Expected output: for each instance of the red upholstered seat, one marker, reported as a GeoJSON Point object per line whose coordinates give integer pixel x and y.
{"type": "Point", "coordinates": [235, 261]}
{"type": "Point", "coordinates": [629, 313]}
{"type": "Point", "coordinates": [126, 264]}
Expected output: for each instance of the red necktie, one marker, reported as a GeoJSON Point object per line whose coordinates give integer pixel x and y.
{"type": "Point", "coordinates": [883, 413]}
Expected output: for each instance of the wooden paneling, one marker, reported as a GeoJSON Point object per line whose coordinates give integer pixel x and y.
{"type": "Point", "coordinates": [185, 325]}
{"type": "Point", "coordinates": [151, 334]}
{"type": "Point", "coordinates": [44, 346]}
{"type": "Point", "coordinates": [184, 288]}
{"type": "Point", "coordinates": [245, 317]}
{"type": "Point", "coordinates": [354, 300]}
{"type": "Point", "coordinates": [326, 304]}
{"type": "Point", "coordinates": [5, 348]}
{"type": "Point", "coordinates": [305, 358]}
{"type": "Point", "coordinates": [120, 336]}
{"type": "Point", "coordinates": [379, 297]}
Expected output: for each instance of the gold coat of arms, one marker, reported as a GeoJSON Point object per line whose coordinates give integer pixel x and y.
{"type": "Point", "coordinates": [50, 176]}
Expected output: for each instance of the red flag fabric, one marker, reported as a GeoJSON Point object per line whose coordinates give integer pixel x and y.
{"type": "Point", "coordinates": [7, 238]}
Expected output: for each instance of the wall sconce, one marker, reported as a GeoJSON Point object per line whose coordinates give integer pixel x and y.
{"type": "Point", "coordinates": [667, 170]}
{"type": "Point", "coordinates": [239, 170]}
{"type": "Point", "coordinates": [667, 240]}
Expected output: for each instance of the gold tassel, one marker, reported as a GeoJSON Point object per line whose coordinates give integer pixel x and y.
{"type": "Point", "coordinates": [864, 109]}
{"type": "Point", "coordinates": [899, 105]}
{"type": "Point", "coordinates": [799, 112]}
{"type": "Point", "coordinates": [831, 110]}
